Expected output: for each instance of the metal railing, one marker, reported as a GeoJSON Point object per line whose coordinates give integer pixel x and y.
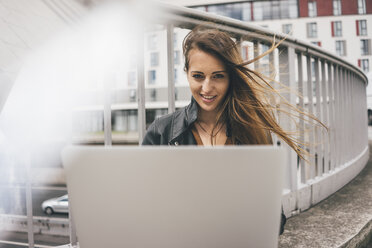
{"type": "Point", "coordinates": [339, 101]}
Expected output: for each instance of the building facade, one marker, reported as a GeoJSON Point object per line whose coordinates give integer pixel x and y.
{"type": "Point", "coordinates": [340, 26]}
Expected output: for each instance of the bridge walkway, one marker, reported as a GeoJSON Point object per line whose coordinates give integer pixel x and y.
{"type": "Point", "coordinates": [342, 220]}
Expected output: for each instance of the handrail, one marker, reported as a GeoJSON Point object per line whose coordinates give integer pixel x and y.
{"type": "Point", "coordinates": [249, 30]}
{"type": "Point", "coordinates": [338, 81]}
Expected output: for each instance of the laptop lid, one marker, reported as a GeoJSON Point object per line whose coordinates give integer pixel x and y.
{"type": "Point", "coordinates": [169, 197]}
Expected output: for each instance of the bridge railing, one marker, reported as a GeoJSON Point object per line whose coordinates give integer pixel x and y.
{"type": "Point", "coordinates": [332, 89]}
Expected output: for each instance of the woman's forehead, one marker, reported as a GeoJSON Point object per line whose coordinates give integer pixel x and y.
{"type": "Point", "coordinates": [200, 60]}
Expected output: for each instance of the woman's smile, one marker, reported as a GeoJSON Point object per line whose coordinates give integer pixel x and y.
{"type": "Point", "coordinates": [208, 99]}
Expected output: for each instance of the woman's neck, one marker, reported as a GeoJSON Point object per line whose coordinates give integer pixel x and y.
{"type": "Point", "coordinates": [208, 118]}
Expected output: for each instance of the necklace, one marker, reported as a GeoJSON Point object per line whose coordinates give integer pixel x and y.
{"type": "Point", "coordinates": [212, 135]}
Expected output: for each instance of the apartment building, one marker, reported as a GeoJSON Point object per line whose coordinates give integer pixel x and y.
{"type": "Point", "coordinates": [340, 26]}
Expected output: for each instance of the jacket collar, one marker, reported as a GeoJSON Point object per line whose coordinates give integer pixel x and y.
{"type": "Point", "coordinates": [191, 112]}
{"type": "Point", "coordinates": [184, 119]}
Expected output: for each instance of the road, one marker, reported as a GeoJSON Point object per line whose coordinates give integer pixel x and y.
{"type": "Point", "coordinates": [13, 200]}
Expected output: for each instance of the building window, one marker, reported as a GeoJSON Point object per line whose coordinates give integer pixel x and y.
{"type": "Point", "coordinates": [275, 10]}
{"type": "Point", "coordinates": [175, 41]}
{"type": "Point", "coordinates": [246, 11]}
{"type": "Point", "coordinates": [177, 57]}
{"type": "Point", "coordinates": [312, 9]}
{"type": "Point", "coordinates": [154, 59]}
{"type": "Point", "coordinates": [337, 7]}
{"type": "Point", "coordinates": [176, 94]}
{"type": "Point", "coordinates": [152, 42]}
{"type": "Point", "coordinates": [132, 95]}
{"type": "Point", "coordinates": [292, 8]}
{"type": "Point", "coordinates": [233, 10]}
{"type": "Point", "coordinates": [312, 31]}
{"type": "Point", "coordinates": [287, 28]}
{"type": "Point", "coordinates": [261, 10]}
{"type": "Point", "coordinates": [361, 7]}
{"type": "Point", "coordinates": [175, 75]}
{"type": "Point", "coordinates": [132, 78]}
{"type": "Point", "coordinates": [152, 77]}
{"type": "Point", "coordinates": [153, 95]}
{"type": "Point", "coordinates": [365, 47]}
{"type": "Point", "coordinates": [361, 27]}
{"type": "Point", "coordinates": [269, 10]}
{"type": "Point", "coordinates": [317, 43]}
{"type": "Point", "coordinates": [336, 29]}
{"type": "Point", "coordinates": [364, 65]}
{"type": "Point", "coordinates": [341, 48]}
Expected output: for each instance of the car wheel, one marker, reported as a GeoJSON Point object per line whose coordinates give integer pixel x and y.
{"type": "Point", "coordinates": [49, 211]}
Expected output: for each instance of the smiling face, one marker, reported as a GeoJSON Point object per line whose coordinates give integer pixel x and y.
{"type": "Point", "coordinates": [208, 80]}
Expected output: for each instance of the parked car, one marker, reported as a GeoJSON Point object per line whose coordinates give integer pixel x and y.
{"type": "Point", "coordinates": [55, 205]}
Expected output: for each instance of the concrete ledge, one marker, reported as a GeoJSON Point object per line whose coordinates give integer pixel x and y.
{"type": "Point", "coordinates": [343, 220]}
{"type": "Point", "coordinates": [363, 239]}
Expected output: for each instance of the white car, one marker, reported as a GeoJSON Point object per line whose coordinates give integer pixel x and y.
{"type": "Point", "coordinates": [55, 205]}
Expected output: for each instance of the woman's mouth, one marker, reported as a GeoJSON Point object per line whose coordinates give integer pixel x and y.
{"type": "Point", "coordinates": [208, 98]}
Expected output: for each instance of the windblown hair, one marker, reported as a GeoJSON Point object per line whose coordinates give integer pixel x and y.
{"type": "Point", "coordinates": [246, 108]}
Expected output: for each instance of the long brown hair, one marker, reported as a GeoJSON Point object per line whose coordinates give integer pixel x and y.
{"type": "Point", "coordinates": [246, 108]}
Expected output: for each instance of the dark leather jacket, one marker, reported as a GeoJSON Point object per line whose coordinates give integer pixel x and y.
{"type": "Point", "coordinates": [175, 129]}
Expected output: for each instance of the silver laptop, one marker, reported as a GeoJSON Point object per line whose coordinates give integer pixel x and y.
{"type": "Point", "coordinates": [167, 197]}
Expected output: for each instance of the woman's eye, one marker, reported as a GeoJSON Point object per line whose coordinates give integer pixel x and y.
{"type": "Point", "coordinates": [219, 76]}
{"type": "Point", "coordinates": [197, 76]}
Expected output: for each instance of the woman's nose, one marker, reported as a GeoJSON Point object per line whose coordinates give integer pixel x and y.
{"type": "Point", "coordinates": [207, 85]}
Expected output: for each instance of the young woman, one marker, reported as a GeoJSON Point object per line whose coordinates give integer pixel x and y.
{"type": "Point", "coordinates": [229, 103]}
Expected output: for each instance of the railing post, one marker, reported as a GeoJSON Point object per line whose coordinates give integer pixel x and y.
{"type": "Point", "coordinates": [318, 141]}
{"type": "Point", "coordinates": [302, 107]}
{"type": "Point", "coordinates": [287, 77]}
{"type": "Point", "coordinates": [310, 105]}
{"type": "Point", "coordinates": [331, 131]}
{"type": "Point", "coordinates": [107, 128]}
{"type": "Point", "coordinates": [170, 62]}
{"type": "Point", "coordinates": [30, 224]}
{"type": "Point", "coordinates": [365, 120]}
{"type": "Point", "coordinates": [271, 66]}
{"type": "Point", "coordinates": [141, 87]}
{"type": "Point", "coordinates": [354, 87]}
{"type": "Point", "coordinates": [343, 114]}
{"type": "Point", "coordinates": [349, 118]}
{"type": "Point", "coordinates": [256, 53]}
{"type": "Point", "coordinates": [324, 119]}
{"type": "Point", "coordinates": [240, 41]}
{"type": "Point", "coordinates": [337, 115]}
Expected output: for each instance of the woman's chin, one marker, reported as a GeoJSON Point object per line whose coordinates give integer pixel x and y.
{"type": "Point", "coordinates": [207, 108]}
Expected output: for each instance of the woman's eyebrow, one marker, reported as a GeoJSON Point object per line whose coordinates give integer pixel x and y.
{"type": "Point", "coordinates": [218, 72]}
{"type": "Point", "coordinates": [197, 72]}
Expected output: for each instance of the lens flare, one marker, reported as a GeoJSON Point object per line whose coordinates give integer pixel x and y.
{"type": "Point", "coordinates": [70, 71]}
